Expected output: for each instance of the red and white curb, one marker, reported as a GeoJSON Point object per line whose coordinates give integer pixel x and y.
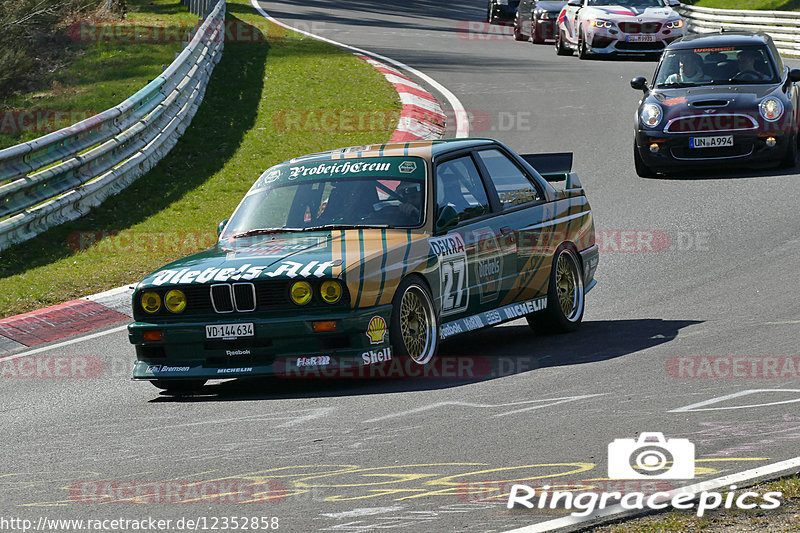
{"type": "Point", "coordinates": [64, 320]}
{"type": "Point", "coordinates": [422, 117]}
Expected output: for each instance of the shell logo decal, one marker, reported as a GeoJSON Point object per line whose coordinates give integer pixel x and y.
{"type": "Point", "coordinates": [376, 330]}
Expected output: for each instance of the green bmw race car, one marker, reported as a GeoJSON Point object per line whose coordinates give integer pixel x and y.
{"type": "Point", "coordinates": [338, 262]}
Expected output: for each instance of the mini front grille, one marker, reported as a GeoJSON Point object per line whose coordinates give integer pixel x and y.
{"type": "Point", "coordinates": [722, 152]}
{"type": "Point", "coordinates": [222, 298]}
{"type": "Point", "coordinates": [711, 123]}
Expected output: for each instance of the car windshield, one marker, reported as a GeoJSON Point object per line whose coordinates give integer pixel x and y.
{"type": "Point", "coordinates": [307, 202]}
{"type": "Point", "coordinates": [628, 3]}
{"type": "Point", "coordinates": [726, 65]}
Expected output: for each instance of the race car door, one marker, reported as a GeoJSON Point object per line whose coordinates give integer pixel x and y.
{"type": "Point", "coordinates": [521, 214]}
{"type": "Point", "coordinates": [474, 255]}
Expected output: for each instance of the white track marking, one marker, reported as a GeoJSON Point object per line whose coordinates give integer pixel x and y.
{"type": "Point", "coordinates": [60, 344]}
{"type": "Point", "coordinates": [462, 120]}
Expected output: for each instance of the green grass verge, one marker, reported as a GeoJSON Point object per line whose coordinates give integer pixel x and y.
{"type": "Point", "coordinates": [236, 134]}
{"type": "Point", "coordinates": [772, 5]}
{"type": "Point", "coordinates": [784, 519]}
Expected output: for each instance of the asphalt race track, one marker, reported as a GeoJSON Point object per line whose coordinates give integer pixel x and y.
{"type": "Point", "coordinates": [704, 264]}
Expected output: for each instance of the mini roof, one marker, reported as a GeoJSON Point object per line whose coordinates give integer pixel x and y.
{"type": "Point", "coordinates": [712, 40]}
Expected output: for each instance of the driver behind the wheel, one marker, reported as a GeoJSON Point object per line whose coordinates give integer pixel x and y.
{"type": "Point", "coordinates": [747, 65]}
{"type": "Point", "coordinates": [350, 201]}
{"type": "Point", "coordinates": [690, 69]}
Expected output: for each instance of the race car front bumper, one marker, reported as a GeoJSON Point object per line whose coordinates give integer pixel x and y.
{"type": "Point", "coordinates": [284, 347]}
{"type": "Point", "coordinates": [674, 151]}
{"type": "Point", "coordinates": [614, 41]}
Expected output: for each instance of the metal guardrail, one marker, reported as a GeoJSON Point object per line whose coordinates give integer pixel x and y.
{"type": "Point", "coordinates": [62, 175]}
{"type": "Point", "coordinates": [198, 7]}
{"type": "Point", "coordinates": [782, 26]}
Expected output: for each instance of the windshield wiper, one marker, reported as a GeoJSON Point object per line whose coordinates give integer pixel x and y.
{"type": "Point", "coordinates": [345, 226]}
{"type": "Point", "coordinates": [265, 231]}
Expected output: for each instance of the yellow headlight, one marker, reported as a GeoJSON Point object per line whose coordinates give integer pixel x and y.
{"type": "Point", "coordinates": [151, 302]}
{"type": "Point", "coordinates": [175, 301]}
{"type": "Point", "coordinates": [331, 291]}
{"type": "Point", "coordinates": [301, 292]}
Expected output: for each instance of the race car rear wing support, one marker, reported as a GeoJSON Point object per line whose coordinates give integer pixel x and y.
{"type": "Point", "coordinates": [554, 167]}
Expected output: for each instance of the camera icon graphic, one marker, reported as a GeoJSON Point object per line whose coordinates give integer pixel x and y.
{"type": "Point", "coordinates": [651, 456]}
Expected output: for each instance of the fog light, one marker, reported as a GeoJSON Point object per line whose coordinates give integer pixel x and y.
{"type": "Point", "coordinates": [153, 335]}
{"type": "Point", "coordinates": [323, 326]}
{"type": "Point", "coordinates": [654, 147]}
{"type": "Point", "coordinates": [771, 142]}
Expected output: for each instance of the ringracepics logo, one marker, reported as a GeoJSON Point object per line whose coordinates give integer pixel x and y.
{"type": "Point", "coordinates": [651, 456]}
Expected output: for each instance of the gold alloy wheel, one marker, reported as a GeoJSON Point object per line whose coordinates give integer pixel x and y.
{"type": "Point", "coordinates": [569, 286]}
{"type": "Point", "coordinates": [417, 324]}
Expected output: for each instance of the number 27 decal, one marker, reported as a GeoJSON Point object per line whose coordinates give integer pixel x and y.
{"type": "Point", "coordinates": [453, 272]}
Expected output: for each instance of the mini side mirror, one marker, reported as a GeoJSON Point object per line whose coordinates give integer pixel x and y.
{"type": "Point", "coordinates": [794, 75]}
{"type": "Point", "coordinates": [575, 3]}
{"type": "Point", "coordinates": [221, 226]}
{"type": "Point", "coordinates": [639, 83]}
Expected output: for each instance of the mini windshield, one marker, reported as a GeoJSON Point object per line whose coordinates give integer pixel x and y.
{"type": "Point", "coordinates": [728, 65]}
{"type": "Point", "coordinates": [328, 203]}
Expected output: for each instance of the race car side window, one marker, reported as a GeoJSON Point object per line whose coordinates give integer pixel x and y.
{"type": "Point", "coordinates": [512, 185]}
{"type": "Point", "coordinates": [459, 185]}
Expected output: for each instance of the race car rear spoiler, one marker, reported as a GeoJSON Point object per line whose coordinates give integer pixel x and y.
{"type": "Point", "coordinates": [554, 167]}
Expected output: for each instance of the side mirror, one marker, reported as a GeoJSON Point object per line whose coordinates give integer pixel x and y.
{"type": "Point", "coordinates": [575, 3]}
{"type": "Point", "coordinates": [674, 3]}
{"type": "Point", "coordinates": [448, 218]}
{"type": "Point", "coordinates": [639, 83]}
{"type": "Point", "coordinates": [221, 226]}
{"type": "Point", "coordinates": [794, 75]}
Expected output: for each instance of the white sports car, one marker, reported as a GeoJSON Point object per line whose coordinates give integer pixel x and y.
{"type": "Point", "coordinates": [623, 26]}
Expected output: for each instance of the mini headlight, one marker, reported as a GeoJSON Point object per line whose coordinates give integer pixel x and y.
{"type": "Point", "coordinates": [770, 108]}
{"type": "Point", "coordinates": [651, 115]}
{"type": "Point", "coordinates": [331, 291]}
{"type": "Point", "coordinates": [675, 24]}
{"type": "Point", "coordinates": [175, 301]}
{"type": "Point", "coordinates": [301, 292]}
{"type": "Point", "coordinates": [600, 24]}
{"type": "Point", "coordinates": [151, 302]}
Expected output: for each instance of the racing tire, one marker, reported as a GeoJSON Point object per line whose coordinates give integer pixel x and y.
{"type": "Point", "coordinates": [790, 159]}
{"type": "Point", "coordinates": [414, 329]}
{"type": "Point", "coordinates": [565, 296]}
{"type": "Point", "coordinates": [561, 48]}
{"type": "Point", "coordinates": [642, 170]}
{"type": "Point", "coordinates": [583, 50]}
{"type": "Point", "coordinates": [179, 385]}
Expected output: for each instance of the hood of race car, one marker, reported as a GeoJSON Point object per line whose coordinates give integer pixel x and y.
{"type": "Point", "coordinates": [625, 13]}
{"type": "Point", "coordinates": [280, 256]}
